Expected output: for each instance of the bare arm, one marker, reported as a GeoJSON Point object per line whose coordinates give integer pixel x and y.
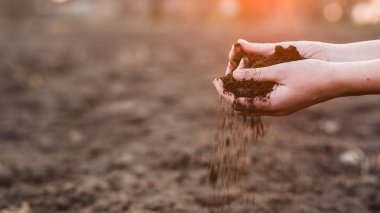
{"type": "Point", "coordinates": [361, 51]}
{"type": "Point", "coordinates": [301, 84]}
{"type": "Point", "coordinates": [359, 78]}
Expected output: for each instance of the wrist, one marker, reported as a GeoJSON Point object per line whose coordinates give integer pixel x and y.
{"type": "Point", "coordinates": [354, 78]}
{"type": "Point", "coordinates": [331, 52]}
{"type": "Point", "coordinates": [341, 81]}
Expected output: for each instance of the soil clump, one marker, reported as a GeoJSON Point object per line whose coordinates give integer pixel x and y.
{"type": "Point", "coordinates": [252, 88]}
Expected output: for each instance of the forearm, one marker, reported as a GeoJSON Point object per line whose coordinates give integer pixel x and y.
{"type": "Point", "coordinates": [360, 51]}
{"type": "Point", "coordinates": [357, 78]}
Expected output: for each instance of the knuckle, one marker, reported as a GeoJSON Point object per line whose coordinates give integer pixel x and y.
{"type": "Point", "coordinates": [254, 74]}
{"type": "Point", "coordinates": [259, 73]}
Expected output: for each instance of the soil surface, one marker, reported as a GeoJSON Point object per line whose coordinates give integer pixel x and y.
{"type": "Point", "coordinates": [105, 118]}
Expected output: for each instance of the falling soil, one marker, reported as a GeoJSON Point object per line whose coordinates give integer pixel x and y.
{"type": "Point", "coordinates": [232, 161]}
{"type": "Point", "coordinates": [236, 132]}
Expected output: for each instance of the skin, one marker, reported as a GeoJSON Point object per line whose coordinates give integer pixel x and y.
{"type": "Point", "coordinates": [331, 71]}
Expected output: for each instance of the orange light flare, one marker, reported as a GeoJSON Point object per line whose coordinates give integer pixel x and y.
{"type": "Point", "coordinates": [281, 15]}
{"type": "Point", "coordinates": [288, 15]}
{"type": "Point", "coordinates": [59, 1]}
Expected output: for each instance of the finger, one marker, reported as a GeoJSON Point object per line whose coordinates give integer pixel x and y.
{"type": "Point", "coordinates": [265, 49]}
{"type": "Point", "coordinates": [252, 105]}
{"type": "Point", "coordinates": [235, 56]}
{"type": "Point", "coordinates": [236, 53]}
{"type": "Point", "coordinates": [270, 74]}
{"type": "Point", "coordinates": [244, 63]}
{"type": "Point", "coordinates": [231, 67]}
{"type": "Point", "coordinates": [228, 96]}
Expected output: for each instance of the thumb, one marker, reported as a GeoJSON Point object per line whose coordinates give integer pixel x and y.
{"type": "Point", "coordinates": [257, 74]}
{"type": "Point", "coordinates": [257, 48]}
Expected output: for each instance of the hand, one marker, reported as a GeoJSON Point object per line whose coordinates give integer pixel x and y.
{"type": "Point", "coordinates": [299, 84]}
{"type": "Point", "coordinates": [307, 49]}
{"type": "Point", "coordinates": [351, 52]}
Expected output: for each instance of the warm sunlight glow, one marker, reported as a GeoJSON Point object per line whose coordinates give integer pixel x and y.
{"type": "Point", "coordinates": [333, 12]}
{"type": "Point", "coordinates": [366, 13]}
{"type": "Point", "coordinates": [59, 1]}
{"type": "Point", "coordinates": [229, 8]}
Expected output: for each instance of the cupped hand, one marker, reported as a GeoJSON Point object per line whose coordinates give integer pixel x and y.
{"type": "Point", "coordinates": [299, 84]}
{"type": "Point", "coordinates": [307, 49]}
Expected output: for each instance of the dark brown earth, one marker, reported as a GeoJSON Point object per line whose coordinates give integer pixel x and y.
{"type": "Point", "coordinates": [109, 118]}
{"type": "Point", "coordinates": [252, 88]}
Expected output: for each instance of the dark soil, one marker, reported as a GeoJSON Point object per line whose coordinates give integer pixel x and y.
{"type": "Point", "coordinates": [114, 119]}
{"type": "Point", "coordinates": [253, 88]}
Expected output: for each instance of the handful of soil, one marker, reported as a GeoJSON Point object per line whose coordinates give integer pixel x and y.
{"type": "Point", "coordinates": [232, 160]}
{"type": "Point", "coordinates": [252, 88]}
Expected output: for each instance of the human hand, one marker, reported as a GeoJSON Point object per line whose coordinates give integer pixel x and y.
{"type": "Point", "coordinates": [307, 49]}
{"type": "Point", "coordinates": [299, 84]}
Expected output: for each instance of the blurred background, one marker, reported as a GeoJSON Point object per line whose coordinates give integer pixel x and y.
{"type": "Point", "coordinates": [252, 11]}
{"type": "Point", "coordinates": [107, 106]}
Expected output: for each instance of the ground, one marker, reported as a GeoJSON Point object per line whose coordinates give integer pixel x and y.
{"type": "Point", "coordinates": [104, 118]}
